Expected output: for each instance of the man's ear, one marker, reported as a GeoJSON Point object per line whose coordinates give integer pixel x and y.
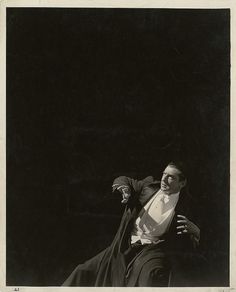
{"type": "Point", "coordinates": [183, 183]}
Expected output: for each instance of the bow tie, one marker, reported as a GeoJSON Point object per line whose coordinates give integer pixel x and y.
{"type": "Point", "coordinates": [164, 198]}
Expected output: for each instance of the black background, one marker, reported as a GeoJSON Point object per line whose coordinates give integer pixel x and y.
{"type": "Point", "coordinates": [96, 93]}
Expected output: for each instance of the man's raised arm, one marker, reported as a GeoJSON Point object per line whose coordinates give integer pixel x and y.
{"type": "Point", "coordinates": [128, 186]}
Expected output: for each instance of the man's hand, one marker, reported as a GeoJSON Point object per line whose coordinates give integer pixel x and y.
{"type": "Point", "coordinates": [125, 191]}
{"type": "Point", "coordinates": [187, 226]}
{"type": "Point", "coordinates": [125, 195]}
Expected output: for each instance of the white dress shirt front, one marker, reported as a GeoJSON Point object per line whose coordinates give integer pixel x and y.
{"type": "Point", "coordinates": [155, 218]}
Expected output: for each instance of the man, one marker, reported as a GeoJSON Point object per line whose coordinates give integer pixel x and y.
{"type": "Point", "coordinates": [154, 233]}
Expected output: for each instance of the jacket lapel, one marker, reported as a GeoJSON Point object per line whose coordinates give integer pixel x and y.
{"type": "Point", "coordinates": [148, 192]}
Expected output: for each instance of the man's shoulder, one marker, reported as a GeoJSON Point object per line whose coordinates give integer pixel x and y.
{"type": "Point", "coordinates": [150, 180]}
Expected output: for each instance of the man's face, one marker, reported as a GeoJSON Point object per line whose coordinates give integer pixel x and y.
{"type": "Point", "coordinates": [170, 182]}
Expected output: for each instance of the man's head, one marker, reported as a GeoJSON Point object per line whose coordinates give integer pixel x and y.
{"type": "Point", "coordinates": [173, 178]}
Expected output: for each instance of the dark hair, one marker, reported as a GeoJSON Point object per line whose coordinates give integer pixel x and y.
{"type": "Point", "coordinates": [181, 167]}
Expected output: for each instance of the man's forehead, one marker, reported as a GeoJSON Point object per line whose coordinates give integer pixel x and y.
{"type": "Point", "coordinates": [172, 170]}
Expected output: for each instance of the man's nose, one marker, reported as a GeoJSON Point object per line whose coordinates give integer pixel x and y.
{"type": "Point", "coordinates": [164, 178]}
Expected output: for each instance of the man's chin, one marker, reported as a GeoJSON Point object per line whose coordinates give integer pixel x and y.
{"type": "Point", "coordinates": [165, 189]}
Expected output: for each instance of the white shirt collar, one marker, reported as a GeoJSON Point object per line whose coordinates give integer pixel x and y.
{"type": "Point", "coordinates": [167, 198]}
